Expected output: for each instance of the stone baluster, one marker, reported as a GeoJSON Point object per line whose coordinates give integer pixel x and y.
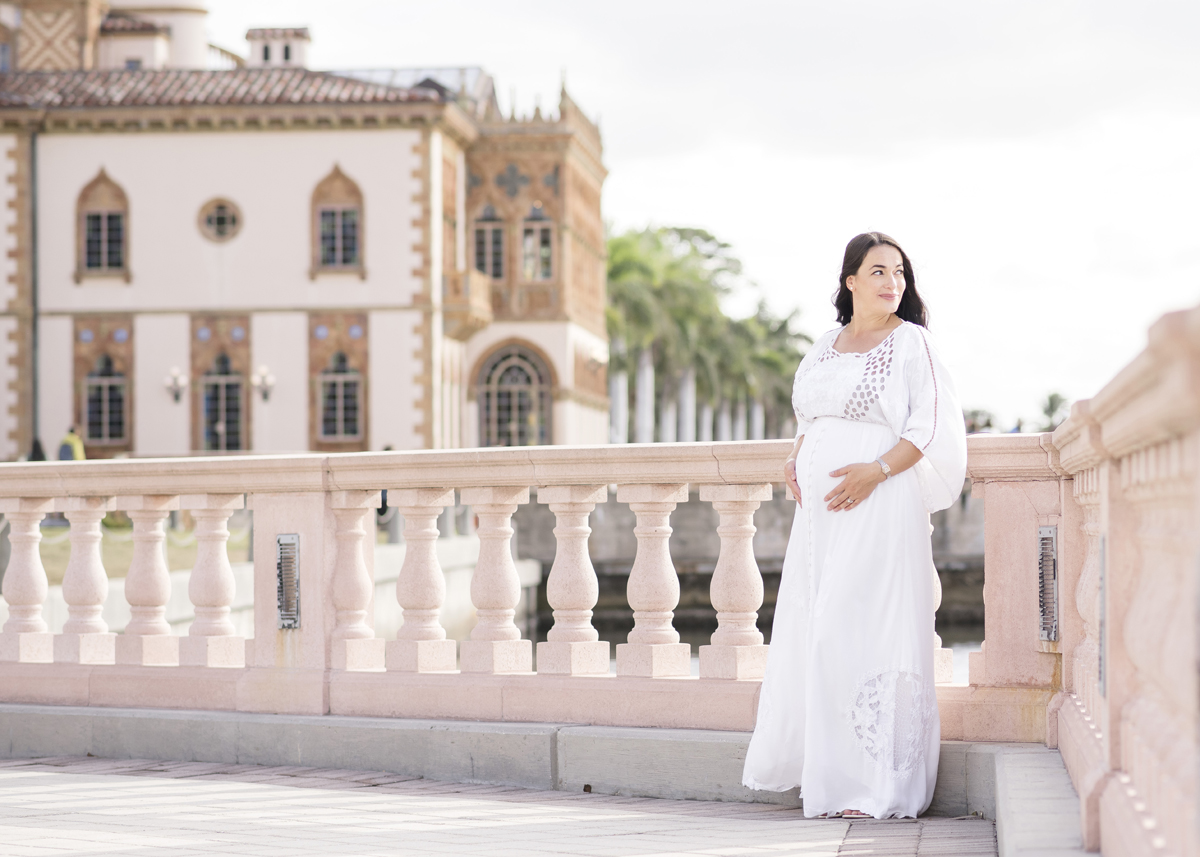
{"type": "Point", "coordinates": [653, 649]}
{"type": "Point", "coordinates": [737, 650]}
{"type": "Point", "coordinates": [421, 645]}
{"type": "Point", "coordinates": [25, 637]}
{"type": "Point", "coordinates": [495, 645]}
{"type": "Point", "coordinates": [85, 638]}
{"type": "Point", "coordinates": [353, 644]}
{"type": "Point", "coordinates": [211, 641]}
{"type": "Point", "coordinates": [148, 640]}
{"type": "Point", "coordinates": [572, 646]}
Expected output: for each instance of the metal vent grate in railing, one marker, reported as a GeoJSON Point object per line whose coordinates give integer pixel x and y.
{"type": "Point", "coordinates": [1048, 581]}
{"type": "Point", "coordinates": [287, 570]}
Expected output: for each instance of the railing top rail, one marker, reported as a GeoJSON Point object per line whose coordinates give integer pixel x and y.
{"type": "Point", "coordinates": [735, 462]}
{"type": "Point", "coordinates": [1012, 457]}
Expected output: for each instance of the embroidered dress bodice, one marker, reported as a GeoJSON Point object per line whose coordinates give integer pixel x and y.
{"type": "Point", "coordinates": [847, 384]}
{"type": "Point", "coordinates": [901, 384]}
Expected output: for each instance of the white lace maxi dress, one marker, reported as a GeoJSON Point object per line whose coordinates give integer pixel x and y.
{"type": "Point", "coordinates": [847, 710]}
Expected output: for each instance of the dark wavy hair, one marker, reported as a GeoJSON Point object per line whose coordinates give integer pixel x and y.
{"type": "Point", "coordinates": [911, 308]}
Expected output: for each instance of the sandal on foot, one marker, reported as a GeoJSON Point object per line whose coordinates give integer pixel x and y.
{"type": "Point", "coordinates": [854, 813]}
{"type": "Point", "coordinates": [830, 815]}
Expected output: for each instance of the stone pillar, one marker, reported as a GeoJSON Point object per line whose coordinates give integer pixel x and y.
{"type": "Point", "coordinates": [739, 420]}
{"type": "Point", "coordinates": [737, 650]}
{"type": "Point", "coordinates": [421, 645]}
{"type": "Point", "coordinates": [644, 405]}
{"type": "Point", "coordinates": [495, 645]}
{"type": "Point", "coordinates": [85, 638]}
{"type": "Point", "coordinates": [25, 637]}
{"type": "Point", "coordinates": [943, 659]}
{"type": "Point", "coordinates": [210, 641]}
{"type": "Point", "coordinates": [572, 647]}
{"type": "Point", "coordinates": [148, 640]}
{"type": "Point", "coordinates": [353, 643]}
{"type": "Point", "coordinates": [653, 649]}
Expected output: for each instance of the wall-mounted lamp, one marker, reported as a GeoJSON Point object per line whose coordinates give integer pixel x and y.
{"type": "Point", "coordinates": [176, 383]}
{"type": "Point", "coordinates": [263, 382]}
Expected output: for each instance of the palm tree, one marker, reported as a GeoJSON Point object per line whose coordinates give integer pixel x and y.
{"type": "Point", "coordinates": [665, 320]}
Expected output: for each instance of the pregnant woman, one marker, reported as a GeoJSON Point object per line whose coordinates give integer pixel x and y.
{"type": "Point", "coordinates": [847, 710]}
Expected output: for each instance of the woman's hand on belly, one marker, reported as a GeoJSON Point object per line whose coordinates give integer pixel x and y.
{"type": "Point", "coordinates": [789, 475]}
{"type": "Point", "coordinates": [860, 480]}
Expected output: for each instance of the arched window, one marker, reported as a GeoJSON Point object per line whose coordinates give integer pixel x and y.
{"type": "Point", "coordinates": [341, 392]}
{"type": "Point", "coordinates": [489, 244]}
{"type": "Point", "coordinates": [104, 403]}
{"type": "Point", "coordinates": [223, 407]}
{"type": "Point", "coordinates": [102, 230]}
{"type": "Point", "coordinates": [337, 225]}
{"type": "Point", "coordinates": [536, 246]}
{"type": "Point", "coordinates": [515, 399]}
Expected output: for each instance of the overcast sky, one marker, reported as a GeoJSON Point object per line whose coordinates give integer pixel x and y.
{"type": "Point", "coordinates": [1039, 161]}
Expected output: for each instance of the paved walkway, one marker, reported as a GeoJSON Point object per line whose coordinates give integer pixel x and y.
{"type": "Point", "coordinates": [85, 806]}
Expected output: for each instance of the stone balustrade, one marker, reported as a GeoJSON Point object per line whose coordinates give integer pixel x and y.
{"type": "Point", "coordinates": [1092, 555]}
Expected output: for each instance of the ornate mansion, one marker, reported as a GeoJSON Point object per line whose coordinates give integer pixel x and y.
{"type": "Point", "coordinates": [258, 256]}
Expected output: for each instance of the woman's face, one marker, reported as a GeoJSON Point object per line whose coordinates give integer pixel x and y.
{"type": "Point", "coordinates": [879, 283]}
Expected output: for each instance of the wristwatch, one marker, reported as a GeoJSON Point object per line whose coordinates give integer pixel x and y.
{"type": "Point", "coordinates": [887, 471]}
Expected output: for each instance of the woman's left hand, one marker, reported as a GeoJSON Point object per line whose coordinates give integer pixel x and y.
{"type": "Point", "coordinates": [860, 481]}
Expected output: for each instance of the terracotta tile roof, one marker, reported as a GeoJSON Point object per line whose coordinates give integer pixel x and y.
{"type": "Point", "coordinates": [184, 88]}
{"type": "Point", "coordinates": [125, 24]}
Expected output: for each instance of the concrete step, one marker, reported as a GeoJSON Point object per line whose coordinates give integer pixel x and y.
{"type": "Point", "coordinates": [1023, 787]}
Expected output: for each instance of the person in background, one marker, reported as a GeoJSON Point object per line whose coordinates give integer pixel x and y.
{"type": "Point", "coordinates": [71, 447]}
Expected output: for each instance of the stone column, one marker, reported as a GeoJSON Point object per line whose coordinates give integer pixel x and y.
{"type": "Point", "coordinates": [943, 659]}
{"type": "Point", "coordinates": [85, 638]}
{"type": "Point", "coordinates": [758, 420]}
{"type": "Point", "coordinates": [653, 649]}
{"type": "Point", "coordinates": [148, 640]}
{"type": "Point", "coordinates": [25, 637]}
{"type": "Point", "coordinates": [495, 645]}
{"type": "Point", "coordinates": [572, 647]}
{"type": "Point", "coordinates": [353, 643]}
{"type": "Point", "coordinates": [421, 645]}
{"type": "Point", "coordinates": [737, 650]}
{"type": "Point", "coordinates": [211, 641]}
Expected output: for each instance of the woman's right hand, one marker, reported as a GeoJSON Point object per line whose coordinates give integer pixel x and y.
{"type": "Point", "coordinates": [789, 475]}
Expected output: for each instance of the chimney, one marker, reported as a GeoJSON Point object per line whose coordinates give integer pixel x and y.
{"type": "Point", "coordinates": [278, 47]}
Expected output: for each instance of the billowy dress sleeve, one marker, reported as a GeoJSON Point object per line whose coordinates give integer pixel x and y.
{"type": "Point", "coordinates": [935, 425]}
{"type": "Point", "coordinates": [803, 422]}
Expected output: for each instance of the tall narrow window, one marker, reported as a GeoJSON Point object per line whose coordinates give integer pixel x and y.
{"type": "Point", "coordinates": [223, 407]}
{"type": "Point", "coordinates": [515, 399]}
{"type": "Point", "coordinates": [103, 239]}
{"type": "Point", "coordinates": [339, 237]}
{"type": "Point", "coordinates": [536, 246]}
{"type": "Point", "coordinates": [489, 244]}
{"type": "Point", "coordinates": [341, 391]}
{"type": "Point", "coordinates": [104, 403]}
{"type": "Point", "coordinates": [337, 225]}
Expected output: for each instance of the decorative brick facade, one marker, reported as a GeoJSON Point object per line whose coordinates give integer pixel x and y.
{"type": "Point", "coordinates": [96, 337]}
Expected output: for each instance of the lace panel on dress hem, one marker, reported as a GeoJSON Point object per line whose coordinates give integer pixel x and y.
{"type": "Point", "coordinates": [890, 714]}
